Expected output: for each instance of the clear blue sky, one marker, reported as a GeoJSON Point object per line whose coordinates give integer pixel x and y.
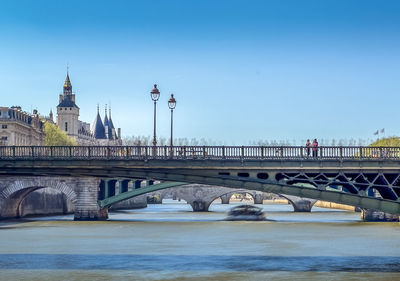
{"type": "Point", "coordinates": [240, 70]}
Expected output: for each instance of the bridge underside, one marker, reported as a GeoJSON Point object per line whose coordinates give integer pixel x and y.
{"type": "Point", "coordinates": [367, 185]}
{"type": "Point", "coordinates": [376, 191]}
{"type": "Point", "coordinates": [336, 194]}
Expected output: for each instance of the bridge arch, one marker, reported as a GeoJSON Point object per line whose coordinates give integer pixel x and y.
{"type": "Point", "coordinates": [299, 204]}
{"type": "Point", "coordinates": [16, 191]}
{"type": "Point", "coordinates": [290, 184]}
{"type": "Point", "coordinates": [201, 196]}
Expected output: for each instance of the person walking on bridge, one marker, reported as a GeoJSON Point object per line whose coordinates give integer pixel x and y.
{"type": "Point", "coordinates": [308, 147]}
{"type": "Point", "coordinates": [315, 148]}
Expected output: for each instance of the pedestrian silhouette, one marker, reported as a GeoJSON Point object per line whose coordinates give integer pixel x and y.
{"type": "Point", "coordinates": [315, 148]}
{"type": "Point", "coordinates": [308, 147]}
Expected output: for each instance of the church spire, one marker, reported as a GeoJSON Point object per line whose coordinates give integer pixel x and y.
{"type": "Point", "coordinates": [51, 115]}
{"type": "Point", "coordinates": [67, 99]}
{"type": "Point", "coordinates": [67, 84]}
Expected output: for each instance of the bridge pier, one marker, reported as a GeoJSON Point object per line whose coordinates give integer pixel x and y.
{"type": "Point", "coordinates": [225, 198]}
{"type": "Point", "coordinates": [86, 206]}
{"type": "Point", "coordinates": [258, 198]}
{"type": "Point", "coordinates": [300, 204]}
{"type": "Point", "coordinates": [372, 215]}
{"type": "Point", "coordinates": [200, 206]}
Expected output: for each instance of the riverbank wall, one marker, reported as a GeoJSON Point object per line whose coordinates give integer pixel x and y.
{"type": "Point", "coordinates": [330, 205]}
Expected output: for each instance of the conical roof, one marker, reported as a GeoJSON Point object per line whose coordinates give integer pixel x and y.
{"type": "Point", "coordinates": [110, 128]}
{"type": "Point", "coordinates": [106, 122]}
{"type": "Point", "coordinates": [98, 127]}
{"type": "Point", "coordinates": [110, 122]}
{"type": "Point", "coordinates": [108, 125]}
{"type": "Point", "coordinates": [67, 82]}
{"type": "Point", "coordinates": [67, 99]}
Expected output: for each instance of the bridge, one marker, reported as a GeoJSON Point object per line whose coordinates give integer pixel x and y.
{"type": "Point", "coordinates": [365, 177]}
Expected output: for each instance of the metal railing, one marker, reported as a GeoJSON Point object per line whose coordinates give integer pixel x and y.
{"type": "Point", "coordinates": [198, 152]}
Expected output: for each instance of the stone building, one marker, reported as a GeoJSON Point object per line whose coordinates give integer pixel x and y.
{"type": "Point", "coordinates": [68, 120]}
{"type": "Point", "coordinates": [18, 127]}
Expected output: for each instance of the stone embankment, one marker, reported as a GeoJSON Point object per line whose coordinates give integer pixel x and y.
{"type": "Point", "coordinates": [330, 205]}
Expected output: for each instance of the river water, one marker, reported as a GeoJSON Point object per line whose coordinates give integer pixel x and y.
{"type": "Point", "coordinates": [170, 242]}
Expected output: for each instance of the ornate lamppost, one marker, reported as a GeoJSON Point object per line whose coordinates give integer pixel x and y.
{"type": "Point", "coordinates": [172, 105]}
{"type": "Point", "coordinates": [155, 95]}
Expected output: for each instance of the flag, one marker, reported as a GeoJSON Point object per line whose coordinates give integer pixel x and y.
{"type": "Point", "coordinates": [377, 132]}
{"type": "Point", "coordinates": [383, 130]}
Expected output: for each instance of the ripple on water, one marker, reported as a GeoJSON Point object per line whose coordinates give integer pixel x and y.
{"type": "Point", "coordinates": [170, 242]}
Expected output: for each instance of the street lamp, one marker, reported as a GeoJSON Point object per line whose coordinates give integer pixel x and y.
{"type": "Point", "coordinates": [155, 95]}
{"type": "Point", "coordinates": [171, 105]}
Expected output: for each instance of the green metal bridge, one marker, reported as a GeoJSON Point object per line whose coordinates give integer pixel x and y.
{"type": "Point", "coordinates": [365, 177]}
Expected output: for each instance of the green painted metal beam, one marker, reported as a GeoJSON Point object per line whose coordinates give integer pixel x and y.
{"type": "Point", "coordinates": [136, 192]}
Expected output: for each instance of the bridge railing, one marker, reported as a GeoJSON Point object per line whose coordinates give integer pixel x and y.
{"type": "Point", "coordinates": [198, 152]}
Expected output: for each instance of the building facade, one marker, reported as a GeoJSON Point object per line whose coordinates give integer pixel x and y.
{"type": "Point", "coordinates": [18, 127]}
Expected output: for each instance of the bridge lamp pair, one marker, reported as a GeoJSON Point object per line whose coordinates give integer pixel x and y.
{"type": "Point", "coordinates": [155, 95]}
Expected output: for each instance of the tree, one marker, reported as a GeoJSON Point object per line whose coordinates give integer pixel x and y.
{"type": "Point", "coordinates": [390, 141]}
{"type": "Point", "coordinates": [56, 136]}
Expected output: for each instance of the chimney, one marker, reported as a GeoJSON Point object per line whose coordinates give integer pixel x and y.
{"type": "Point", "coordinates": [119, 133]}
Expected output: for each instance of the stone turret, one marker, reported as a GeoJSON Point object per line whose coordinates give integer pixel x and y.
{"type": "Point", "coordinates": [68, 111]}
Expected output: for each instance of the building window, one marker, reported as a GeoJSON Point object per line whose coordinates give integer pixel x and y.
{"type": "Point", "coordinates": [60, 108]}
{"type": "Point", "coordinates": [3, 138]}
{"type": "Point", "coordinates": [4, 126]}
{"type": "Point", "coordinates": [70, 108]}
{"type": "Point", "coordinates": [66, 126]}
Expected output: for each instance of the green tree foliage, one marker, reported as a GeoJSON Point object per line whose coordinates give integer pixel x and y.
{"type": "Point", "coordinates": [391, 141]}
{"type": "Point", "coordinates": [56, 136]}
{"type": "Point", "coordinates": [383, 148]}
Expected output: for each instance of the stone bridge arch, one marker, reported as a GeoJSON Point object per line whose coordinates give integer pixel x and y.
{"type": "Point", "coordinates": [200, 196]}
{"type": "Point", "coordinates": [299, 204]}
{"type": "Point", "coordinates": [258, 196]}
{"type": "Point", "coordinates": [13, 192]}
{"type": "Point", "coordinates": [81, 191]}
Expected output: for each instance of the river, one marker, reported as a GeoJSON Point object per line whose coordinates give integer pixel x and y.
{"type": "Point", "coordinates": [170, 242]}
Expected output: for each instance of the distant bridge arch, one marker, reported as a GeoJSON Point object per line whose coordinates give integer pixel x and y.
{"type": "Point", "coordinates": [201, 196]}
